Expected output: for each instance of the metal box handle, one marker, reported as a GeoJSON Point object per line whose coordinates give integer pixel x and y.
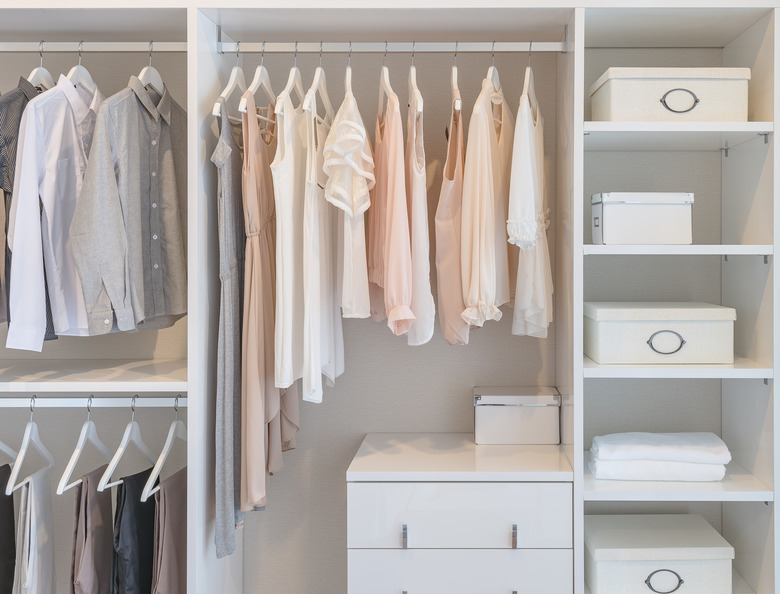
{"type": "Point", "coordinates": [677, 334]}
{"type": "Point", "coordinates": [680, 581]}
{"type": "Point", "coordinates": [405, 536]}
{"type": "Point", "coordinates": [514, 536]}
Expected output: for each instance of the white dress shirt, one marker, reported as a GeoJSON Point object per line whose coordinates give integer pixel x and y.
{"type": "Point", "coordinates": [54, 140]}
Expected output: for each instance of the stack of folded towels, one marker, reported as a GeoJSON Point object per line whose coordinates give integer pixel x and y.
{"type": "Point", "coordinates": [659, 457]}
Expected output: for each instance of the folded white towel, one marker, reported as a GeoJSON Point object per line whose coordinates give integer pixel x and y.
{"type": "Point", "coordinates": [655, 470]}
{"type": "Point", "coordinates": [701, 447]}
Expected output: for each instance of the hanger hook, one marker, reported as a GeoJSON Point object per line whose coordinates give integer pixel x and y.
{"type": "Point", "coordinates": [238, 52]}
{"type": "Point", "coordinates": [32, 406]}
{"type": "Point", "coordinates": [132, 407]}
{"type": "Point", "coordinates": [176, 405]}
{"type": "Point", "coordinates": [455, 57]}
{"type": "Point", "coordinates": [89, 407]}
{"type": "Point", "coordinates": [40, 51]}
{"type": "Point", "coordinates": [349, 55]}
{"type": "Point", "coordinates": [384, 60]}
{"type": "Point", "coordinates": [320, 54]}
{"type": "Point", "coordinates": [81, 49]}
{"type": "Point", "coordinates": [151, 49]}
{"type": "Point", "coordinates": [295, 56]}
{"type": "Point", "coordinates": [530, 49]}
{"type": "Point", "coordinates": [262, 55]}
{"type": "Point", "coordinates": [493, 53]}
{"type": "Point", "coordinates": [414, 44]}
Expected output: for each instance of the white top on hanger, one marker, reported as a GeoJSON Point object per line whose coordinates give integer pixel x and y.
{"type": "Point", "coordinates": [132, 435]}
{"type": "Point", "coordinates": [31, 438]}
{"type": "Point", "coordinates": [177, 430]}
{"type": "Point", "coordinates": [88, 435]}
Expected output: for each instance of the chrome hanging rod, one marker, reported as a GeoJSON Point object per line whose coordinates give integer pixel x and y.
{"type": "Point", "coordinates": [142, 47]}
{"type": "Point", "coordinates": [405, 47]}
{"type": "Point", "coordinates": [70, 402]}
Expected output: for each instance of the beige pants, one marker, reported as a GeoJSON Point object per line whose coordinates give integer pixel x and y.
{"type": "Point", "coordinates": [93, 537]}
{"type": "Point", "coordinates": [170, 536]}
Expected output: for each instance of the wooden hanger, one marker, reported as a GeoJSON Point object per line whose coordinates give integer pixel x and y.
{"type": "Point", "coordinates": [88, 435]}
{"type": "Point", "coordinates": [456, 101]}
{"type": "Point", "coordinates": [31, 438]}
{"type": "Point", "coordinates": [348, 73]}
{"type": "Point", "coordinates": [413, 88]}
{"type": "Point", "coordinates": [80, 75]}
{"type": "Point", "coordinates": [319, 86]}
{"type": "Point", "coordinates": [384, 83]}
{"type": "Point", "coordinates": [132, 435]}
{"type": "Point", "coordinates": [493, 71]}
{"type": "Point", "coordinates": [40, 77]}
{"type": "Point", "coordinates": [528, 88]}
{"type": "Point", "coordinates": [261, 81]}
{"type": "Point", "coordinates": [149, 76]}
{"type": "Point", "coordinates": [177, 430]}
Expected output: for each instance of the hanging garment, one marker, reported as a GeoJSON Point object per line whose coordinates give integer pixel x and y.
{"type": "Point", "coordinates": [422, 304]}
{"type": "Point", "coordinates": [133, 558]}
{"type": "Point", "coordinates": [529, 218]}
{"type": "Point", "coordinates": [7, 542]}
{"type": "Point", "coordinates": [484, 252]}
{"type": "Point", "coordinates": [228, 158]}
{"type": "Point", "coordinates": [261, 400]}
{"type": "Point", "coordinates": [350, 170]}
{"type": "Point", "coordinates": [389, 248]}
{"type": "Point", "coordinates": [12, 105]}
{"type": "Point", "coordinates": [93, 535]}
{"type": "Point", "coordinates": [35, 537]}
{"type": "Point", "coordinates": [128, 231]}
{"type": "Point", "coordinates": [170, 535]}
{"type": "Point", "coordinates": [323, 344]}
{"type": "Point", "coordinates": [55, 136]}
{"type": "Point", "coordinates": [448, 231]}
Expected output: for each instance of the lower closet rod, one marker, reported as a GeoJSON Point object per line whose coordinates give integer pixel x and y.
{"type": "Point", "coordinates": [54, 402]}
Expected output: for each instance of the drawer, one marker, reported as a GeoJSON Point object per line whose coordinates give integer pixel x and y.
{"type": "Point", "coordinates": [374, 571]}
{"type": "Point", "coordinates": [459, 515]}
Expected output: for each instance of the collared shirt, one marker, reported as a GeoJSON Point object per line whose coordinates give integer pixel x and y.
{"type": "Point", "coordinates": [129, 229]}
{"type": "Point", "coordinates": [54, 143]}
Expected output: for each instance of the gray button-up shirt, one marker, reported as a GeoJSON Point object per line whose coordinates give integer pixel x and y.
{"type": "Point", "coordinates": [129, 229]}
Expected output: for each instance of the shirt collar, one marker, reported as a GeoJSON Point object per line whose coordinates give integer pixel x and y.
{"type": "Point", "coordinates": [78, 105]}
{"type": "Point", "coordinates": [27, 88]}
{"type": "Point", "coordinates": [163, 107]}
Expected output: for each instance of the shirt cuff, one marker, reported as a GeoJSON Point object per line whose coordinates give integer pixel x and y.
{"type": "Point", "coordinates": [102, 322]}
{"type": "Point", "coordinates": [400, 319]}
{"type": "Point", "coordinates": [477, 316]}
{"type": "Point", "coordinates": [27, 338]}
{"type": "Point", "coordinates": [522, 233]}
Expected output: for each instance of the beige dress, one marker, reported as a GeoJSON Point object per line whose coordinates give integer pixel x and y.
{"type": "Point", "coordinates": [262, 402]}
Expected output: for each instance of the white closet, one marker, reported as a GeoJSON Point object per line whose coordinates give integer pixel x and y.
{"type": "Point", "coordinates": [299, 544]}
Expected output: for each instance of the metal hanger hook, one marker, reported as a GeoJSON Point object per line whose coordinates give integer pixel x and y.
{"type": "Point", "coordinates": [295, 56]}
{"type": "Point", "coordinates": [238, 52]}
{"type": "Point", "coordinates": [455, 57]}
{"type": "Point", "coordinates": [414, 44]}
{"type": "Point", "coordinates": [132, 407]}
{"type": "Point", "coordinates": [40, 51]}
{"type": "Point", "coordinates": [493, 53]}
{"type": "Point", "coordinates": [320, 54]}
{"type": "Point", "coordinates": [349, 55]}
{"type": "Point", "coordinates": [530, 49]}
{"type": "Point", "coordinates": [32, 406]}
{"type": "Point", "coordinates": [176, 406]}
{"type": "Point", "coordinates": [89, 407]}
{"type": "Point", "coordinates": [81, 49]}
{"type": "Point", "coordinates": [151, 49]}
{"type": "Point", "coordinates": [384, 59]}
{"type": "Point", "coordinates": [262, 55]}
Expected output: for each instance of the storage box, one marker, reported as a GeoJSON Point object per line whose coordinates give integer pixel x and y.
{"type": "Point", "coordinates": [671, 95]}
{"type": "Point", "coordinates": [639, 554]}
{"type": "Point", "coordinates": [630, 218]}
{"type": "Point", "coordinates": [659, 333]}
{"type": "Point", "coordinates": [517, 415]}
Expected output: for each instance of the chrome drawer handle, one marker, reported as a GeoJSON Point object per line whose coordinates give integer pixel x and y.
{"type": "Point", "coordinates": [514, 536]}
{"type": "Point", "coordinates": [405, 537]}
{"type": "Point", "coordinates": [680, 581]}
{"type": "Point", "coordinates": [677, 334]}
{"type": "Point", "coordinates": [696, 100]}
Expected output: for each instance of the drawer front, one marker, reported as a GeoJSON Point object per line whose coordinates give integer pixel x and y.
{"type": "Point", "coordinates": [460, 571]}
{"type": "Point", "coordinates": [459, 515]}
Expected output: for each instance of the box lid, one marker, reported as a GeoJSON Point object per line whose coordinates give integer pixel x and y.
{"type": "Point", "coordinates": [671, 73]}
{"type": "Point", "coordinates": [654, 537]}
{"type": "Point", "coordinates": [517, 400]}
{"type": "Point", "coordinates": [656, 311]}
{"type": "Point", "coordinates": [642, 198]}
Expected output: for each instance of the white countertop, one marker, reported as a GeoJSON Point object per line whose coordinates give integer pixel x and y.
{"type": "Point", "coordinates": [410, 457]}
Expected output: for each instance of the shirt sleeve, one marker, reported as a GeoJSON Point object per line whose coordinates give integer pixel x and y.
{"type": "Point", "coordinates": [27, 298]}
{"type": "Point", "coordinates": [523, 225]}
{"type": "Point", "coordinates": [99, 240]}
{"type": "Point", "coordinates": [478, 228]}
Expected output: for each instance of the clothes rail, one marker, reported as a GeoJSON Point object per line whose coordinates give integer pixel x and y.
{"type": "Point", "coordinates": [142, 47]}
{"type": "Point", "coordinates": [405, 47]}
{"type": "Point", "coordinates": [53, 402]}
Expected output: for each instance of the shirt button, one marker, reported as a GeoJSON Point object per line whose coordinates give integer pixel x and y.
{"type": "Point", "coordinates": [154, 143]}
{"type": "Point", "coordinates": [106, 322]}
{"type": "Point", "coordinates": [154, 205]}
{"type": "Point", "coordinates": [154, 237]}
{"type": "Point", "coordinates": [156, 266]}
{"type": "Point", "coordinates": [154, 174]}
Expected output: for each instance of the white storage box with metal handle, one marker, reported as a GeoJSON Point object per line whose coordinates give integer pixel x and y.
{"type": "Point", "coordinates": [642, 333]}
{"type": "Point", "coordinates": [516, 415]}
{"type": "Point", "coordinates": [653, 218]}
{"type": "Point", "coordinates": [640, 554]}
{"type": "Point", "coordinates": [671, 95]}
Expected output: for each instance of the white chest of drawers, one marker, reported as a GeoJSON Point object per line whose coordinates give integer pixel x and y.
{"type": "Point", "coordinates": [435, 513]}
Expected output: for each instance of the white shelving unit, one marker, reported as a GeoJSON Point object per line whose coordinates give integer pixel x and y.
{"type": "Point", "coordinates": [678, 250]}
{"type": "Point", "coordinates": [741, 369]}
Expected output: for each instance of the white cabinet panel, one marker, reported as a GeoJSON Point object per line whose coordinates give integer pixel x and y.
{"type": "Point", "coordinates": [459, 515]}
{"type": "Point", "coordinates": [460, 571]}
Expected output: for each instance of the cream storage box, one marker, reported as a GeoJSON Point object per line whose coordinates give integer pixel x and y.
{"type": "Point", "coordinates": [631, 218]}
{"type": "Point", "coordinates": [639, 554]}
{"type": "Point", "coordinates": [654, 333]}
{"type": "Point", "coordinates": [516, 415]}
{"type": "Point", "coordinates": [671, 95]}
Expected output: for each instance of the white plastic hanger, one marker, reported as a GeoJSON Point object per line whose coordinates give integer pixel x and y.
{"type": "Point", "coordinates": [236, 81]}
{"type": "Point", "coordinates": [294, 81]}
{"type": "Point", "coordinates": [79, 74]}
{"type": "Point", "coordinates": [8, 451]}
{"type": "Point", "coordinates": [40, 77]}
{"type": "Point", "coordinates": [260, 81]}
{"type": "Point", "coordinates": [149, 75]}
{"type": "Point", "coordinates": [493, 71]}
{"type": "Point", "coordinates": [348, 73]}
{"type": "Point", "coordinates": [88, 435]}
{"type": "Point", "coordinates": [384, 83]}
{"type": "Point", "coordinates": [177, 430]}
{"type": "Point", "coordinates": [31, 438]}
{"type": "Point", "coordinates": [132, 435]}
{"type": "Point", "coordinates": [528, 87]}
{"type": "Point", "coordinates": [413, 88]}
{"type": "Point", "coordinates": [319, 86]}
{"type": "Point", "coordinates": [456, 101]}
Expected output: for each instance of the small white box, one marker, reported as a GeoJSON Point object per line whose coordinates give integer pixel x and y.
{"type": "Point", "coordinates": [516, 415]}
{"type": "Point", "coordinates": [659, 333]}
{"type": "Point", "coordinates": [636, 218]}
{"type": "Point", "coordinates": [639, 554]}
{"type": "Point", "coordinates": [671, 95]}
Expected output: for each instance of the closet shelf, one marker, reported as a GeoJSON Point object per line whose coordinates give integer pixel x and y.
{"type": "Point", "coordinates": [674, 136]}
{"type": "Point", "coordinates": [737, 485]}
{"type": "Point", "coordinates": [93, 375]}
{"type": "Point", "coordinates": [678, 250]}
{"type": "Point", "coordinates": [741, 369]}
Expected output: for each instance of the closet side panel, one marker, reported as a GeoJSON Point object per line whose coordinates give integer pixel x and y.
{"type": "Point", "coordinates": [206, 67]}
